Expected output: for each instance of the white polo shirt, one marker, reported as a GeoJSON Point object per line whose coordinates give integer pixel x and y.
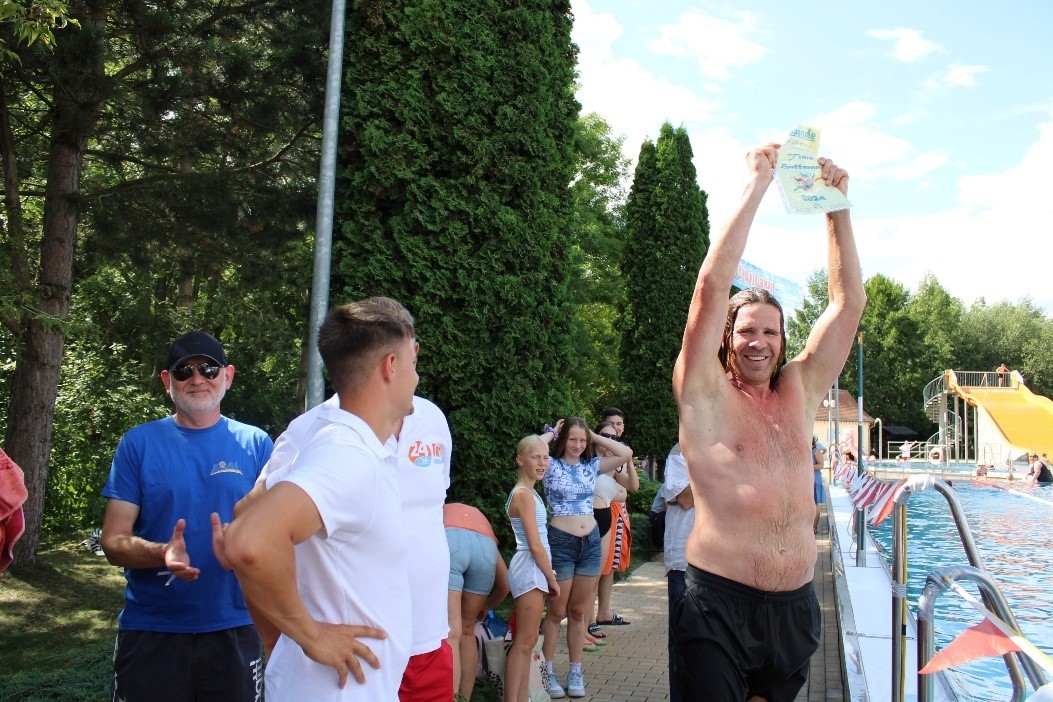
{"type": "Point", "coordinates": [424, 449]}
{"type": "Point", "coordinates": [355, 569]}
{"type": "Point", "coordinates": [678, 521]}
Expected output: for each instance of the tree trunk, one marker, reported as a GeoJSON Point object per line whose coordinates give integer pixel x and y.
{"type": "Point", "coordinates": [77, 100]}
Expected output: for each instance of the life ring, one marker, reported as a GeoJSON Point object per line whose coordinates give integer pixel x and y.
{"type": "Point", "coordinates": [936, 456]}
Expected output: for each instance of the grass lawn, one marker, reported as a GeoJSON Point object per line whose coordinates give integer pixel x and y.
{"type": "Point", "coordinates": [59, 620]}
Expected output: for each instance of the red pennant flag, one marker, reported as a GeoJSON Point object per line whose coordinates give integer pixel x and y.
{"type": "Point", "coordinates": [885, 506]}
{"type": "Point", "coordinates": [979, 641]}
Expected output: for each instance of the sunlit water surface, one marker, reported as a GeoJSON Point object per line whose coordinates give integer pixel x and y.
{"type": "Point", "coordinates": [1014, 535]}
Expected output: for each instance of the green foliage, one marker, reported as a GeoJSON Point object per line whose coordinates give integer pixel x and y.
{"type": "Point", "coordinates": [799, 326]}
{"type": "Point", "coordinates": [894, 351]}
{"type": "Point", "coordinates": [456, 157]}
{"type": "Point", "coordinates": [596, 288]}
{"type": "Point", "coordinates": [666, 239]}
{"type": "Point", "coordinates": [939, 317]}
{"type": "Point", "coordinates": [101, 397]}
{"type": "Point", "coordinates": [26, 22]}
{"type": "Point", "coordinates": [642, 499]}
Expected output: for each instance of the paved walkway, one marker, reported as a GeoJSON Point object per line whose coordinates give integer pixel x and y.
{"type": "Point", "coordinates": [633, 666]}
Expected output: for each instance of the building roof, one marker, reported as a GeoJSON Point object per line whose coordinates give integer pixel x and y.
{"type": "Point", "coordinates": [846, 409]}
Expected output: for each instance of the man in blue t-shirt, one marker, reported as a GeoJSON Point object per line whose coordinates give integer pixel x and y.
{"type": "Point", "coordinates": [185, 632]}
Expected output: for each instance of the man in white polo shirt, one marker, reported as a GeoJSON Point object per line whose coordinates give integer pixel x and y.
{"type": "Point", "coordinates": [423, 446]}
{"type": "Point", "coordinates": [322, 554]}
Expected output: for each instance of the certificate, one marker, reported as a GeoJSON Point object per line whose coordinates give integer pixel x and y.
{"type": "Point", "coordinates": [798, 175]}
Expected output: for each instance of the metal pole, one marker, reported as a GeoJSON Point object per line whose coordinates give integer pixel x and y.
{"type": "Point", "coordinates": [861, 554]}
{"type": "Point", "coordinates": [323, 236]}
{"type": "Point", "coordinates": [899, 599]}
{"type": "Point", "coordinates": [837, 415]}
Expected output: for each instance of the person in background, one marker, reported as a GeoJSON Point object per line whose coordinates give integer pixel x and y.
{"type": "Point", "coordinates": [424, 447]}
{"type": "Point", "coordinates": [322, 553]}
{"type": "Point", "coordinates": [679, 520]}
{"type": "Point", "coordinates": [1039, 471]}
{"type": "Point", "coordinates": [616, 418]}
{"type": "Point", "coordinates": [530, 575]}
{"type": "Point", "coordinates": [818, 491]}
{"type": "Point", "coordinates": [185, 628]}
{"type": "Point", "coordinates": [615, 550]}
{"type": "Point", "coordinates": [574, 538]}
{"type": "Point", "coordinates": [478, 582]}
{"type": "Point", "coordinates": [13, 495]}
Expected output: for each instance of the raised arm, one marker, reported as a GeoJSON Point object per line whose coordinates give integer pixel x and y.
{"type": "Point", "coordinates": [622, 453]}
{"type": "Point", "coordinates": [831, 338]}
{"type": "Point", "coordinates": [697, 369]}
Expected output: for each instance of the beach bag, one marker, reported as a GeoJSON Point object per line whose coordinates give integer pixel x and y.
{"type": "Point", "coordinates": [497, 653]}
{"type": "Point", "coordinates": [490, 628]}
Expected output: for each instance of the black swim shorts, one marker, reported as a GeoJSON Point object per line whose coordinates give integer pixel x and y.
{"type": "Point", "coordinates": [734, 642]}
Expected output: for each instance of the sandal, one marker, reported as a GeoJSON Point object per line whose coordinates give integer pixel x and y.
{"type": "Point", "coordinates": [616, 620]}
{"type": "Point", "coordinates": [596, 631]}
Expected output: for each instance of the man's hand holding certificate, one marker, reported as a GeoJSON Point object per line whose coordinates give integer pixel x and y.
{"type": "Point", "coordinates": [798, 175]}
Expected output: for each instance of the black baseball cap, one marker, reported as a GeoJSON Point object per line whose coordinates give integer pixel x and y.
{"type": "Point", "coordinates": [196, 343]}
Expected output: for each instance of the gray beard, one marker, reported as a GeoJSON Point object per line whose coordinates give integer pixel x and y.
{"type": "Point", "coordinates": [195, 405]}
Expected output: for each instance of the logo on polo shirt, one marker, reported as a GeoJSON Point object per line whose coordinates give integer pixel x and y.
{"type": "Point", "coordinates": [423, 455]}
{"type": "Point", "coordinates": [225, 467]}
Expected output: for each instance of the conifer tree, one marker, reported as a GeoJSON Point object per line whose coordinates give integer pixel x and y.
{"type": "Point", "coordinates": [456, 154]}
{"type": "Point", "coordinates": [667, 236]}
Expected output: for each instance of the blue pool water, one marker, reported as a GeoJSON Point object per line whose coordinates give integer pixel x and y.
{"type": "Point", "coordinates": [1014, 535]}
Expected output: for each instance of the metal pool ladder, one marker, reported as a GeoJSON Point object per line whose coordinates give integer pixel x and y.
{"type": "Point", "coordinates": [938, 581]}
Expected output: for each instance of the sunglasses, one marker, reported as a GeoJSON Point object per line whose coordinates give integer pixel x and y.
{"type": "Point", "coordinates": [610, 436]}
{"type": "Point", "coordinates": [209, 371]}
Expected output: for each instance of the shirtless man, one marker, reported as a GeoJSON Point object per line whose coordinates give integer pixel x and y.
{"type": "Point", "coordinates": [749, 620]}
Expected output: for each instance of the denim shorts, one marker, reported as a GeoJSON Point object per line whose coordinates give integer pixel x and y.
{"type": "Point", "coordinates": [574, 555]}
{"type": "Point", "coordinates": [473, 561]}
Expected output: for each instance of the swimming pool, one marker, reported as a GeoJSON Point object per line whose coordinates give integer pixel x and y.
{"type": "Point", "coordinates": [1013, 529]}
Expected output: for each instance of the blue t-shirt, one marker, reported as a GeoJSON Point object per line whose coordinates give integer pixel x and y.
{"type": "Point", "coordinates": [173, 472]}
{"type": "Point", "coordinates": [569, 488]}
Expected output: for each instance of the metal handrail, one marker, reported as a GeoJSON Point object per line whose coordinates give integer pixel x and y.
{"type": "Point", "coordinates": [899, 593]}
{"type": "Point", "coordinates": [941, 579]}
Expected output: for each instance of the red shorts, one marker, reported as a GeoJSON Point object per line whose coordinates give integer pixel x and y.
{"type": "Point", "coordinates": [428, 676]}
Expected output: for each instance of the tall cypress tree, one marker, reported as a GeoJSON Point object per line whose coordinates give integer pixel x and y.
{"type": "Point", "coordinates": [667, 237]}
{"type": "Point", "coordinates": [456, 154]}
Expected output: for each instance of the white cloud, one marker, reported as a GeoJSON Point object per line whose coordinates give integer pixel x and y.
{"type": "Point", "coordinates": [958, 75]}
{"type": "Point", "coordinates": [718, 45]}
{"type": "Point", "coordinates": [908, 45]}
{"type": "Point", "coordinates": [635, 100]}
{"type": "Point", "coordinates": [954, 76]}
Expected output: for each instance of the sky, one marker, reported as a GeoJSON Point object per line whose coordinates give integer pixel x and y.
{"type": "Point", "coordinates": [942, 113]}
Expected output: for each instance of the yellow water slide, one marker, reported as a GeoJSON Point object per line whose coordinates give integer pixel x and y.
{"type": "Point", "coordinates": [1024, 418]}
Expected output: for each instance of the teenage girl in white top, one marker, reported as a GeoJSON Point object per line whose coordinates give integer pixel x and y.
{"type": "Point", "coordinates": [530, 575]}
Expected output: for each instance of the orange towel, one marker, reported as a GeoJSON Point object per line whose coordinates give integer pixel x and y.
{"type": "Point", "coordinates": [12, 496]}
{"type": "Point", "coordinates": [621, 536]}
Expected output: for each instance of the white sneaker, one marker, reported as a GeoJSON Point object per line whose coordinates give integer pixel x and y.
{"type": "Point", "coordinates": [554, 690]}
{"type": "Point", "coordinates": [576, 684]}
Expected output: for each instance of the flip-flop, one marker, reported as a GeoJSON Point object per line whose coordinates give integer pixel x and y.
{"type": "Point", "coordinates": [596, 632]}
{"type": "Point", "coordinates": [616, 620]}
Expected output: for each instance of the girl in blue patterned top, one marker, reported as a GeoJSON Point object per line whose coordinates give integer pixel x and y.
{"type": "Point", "coordinates": [574, 537]}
